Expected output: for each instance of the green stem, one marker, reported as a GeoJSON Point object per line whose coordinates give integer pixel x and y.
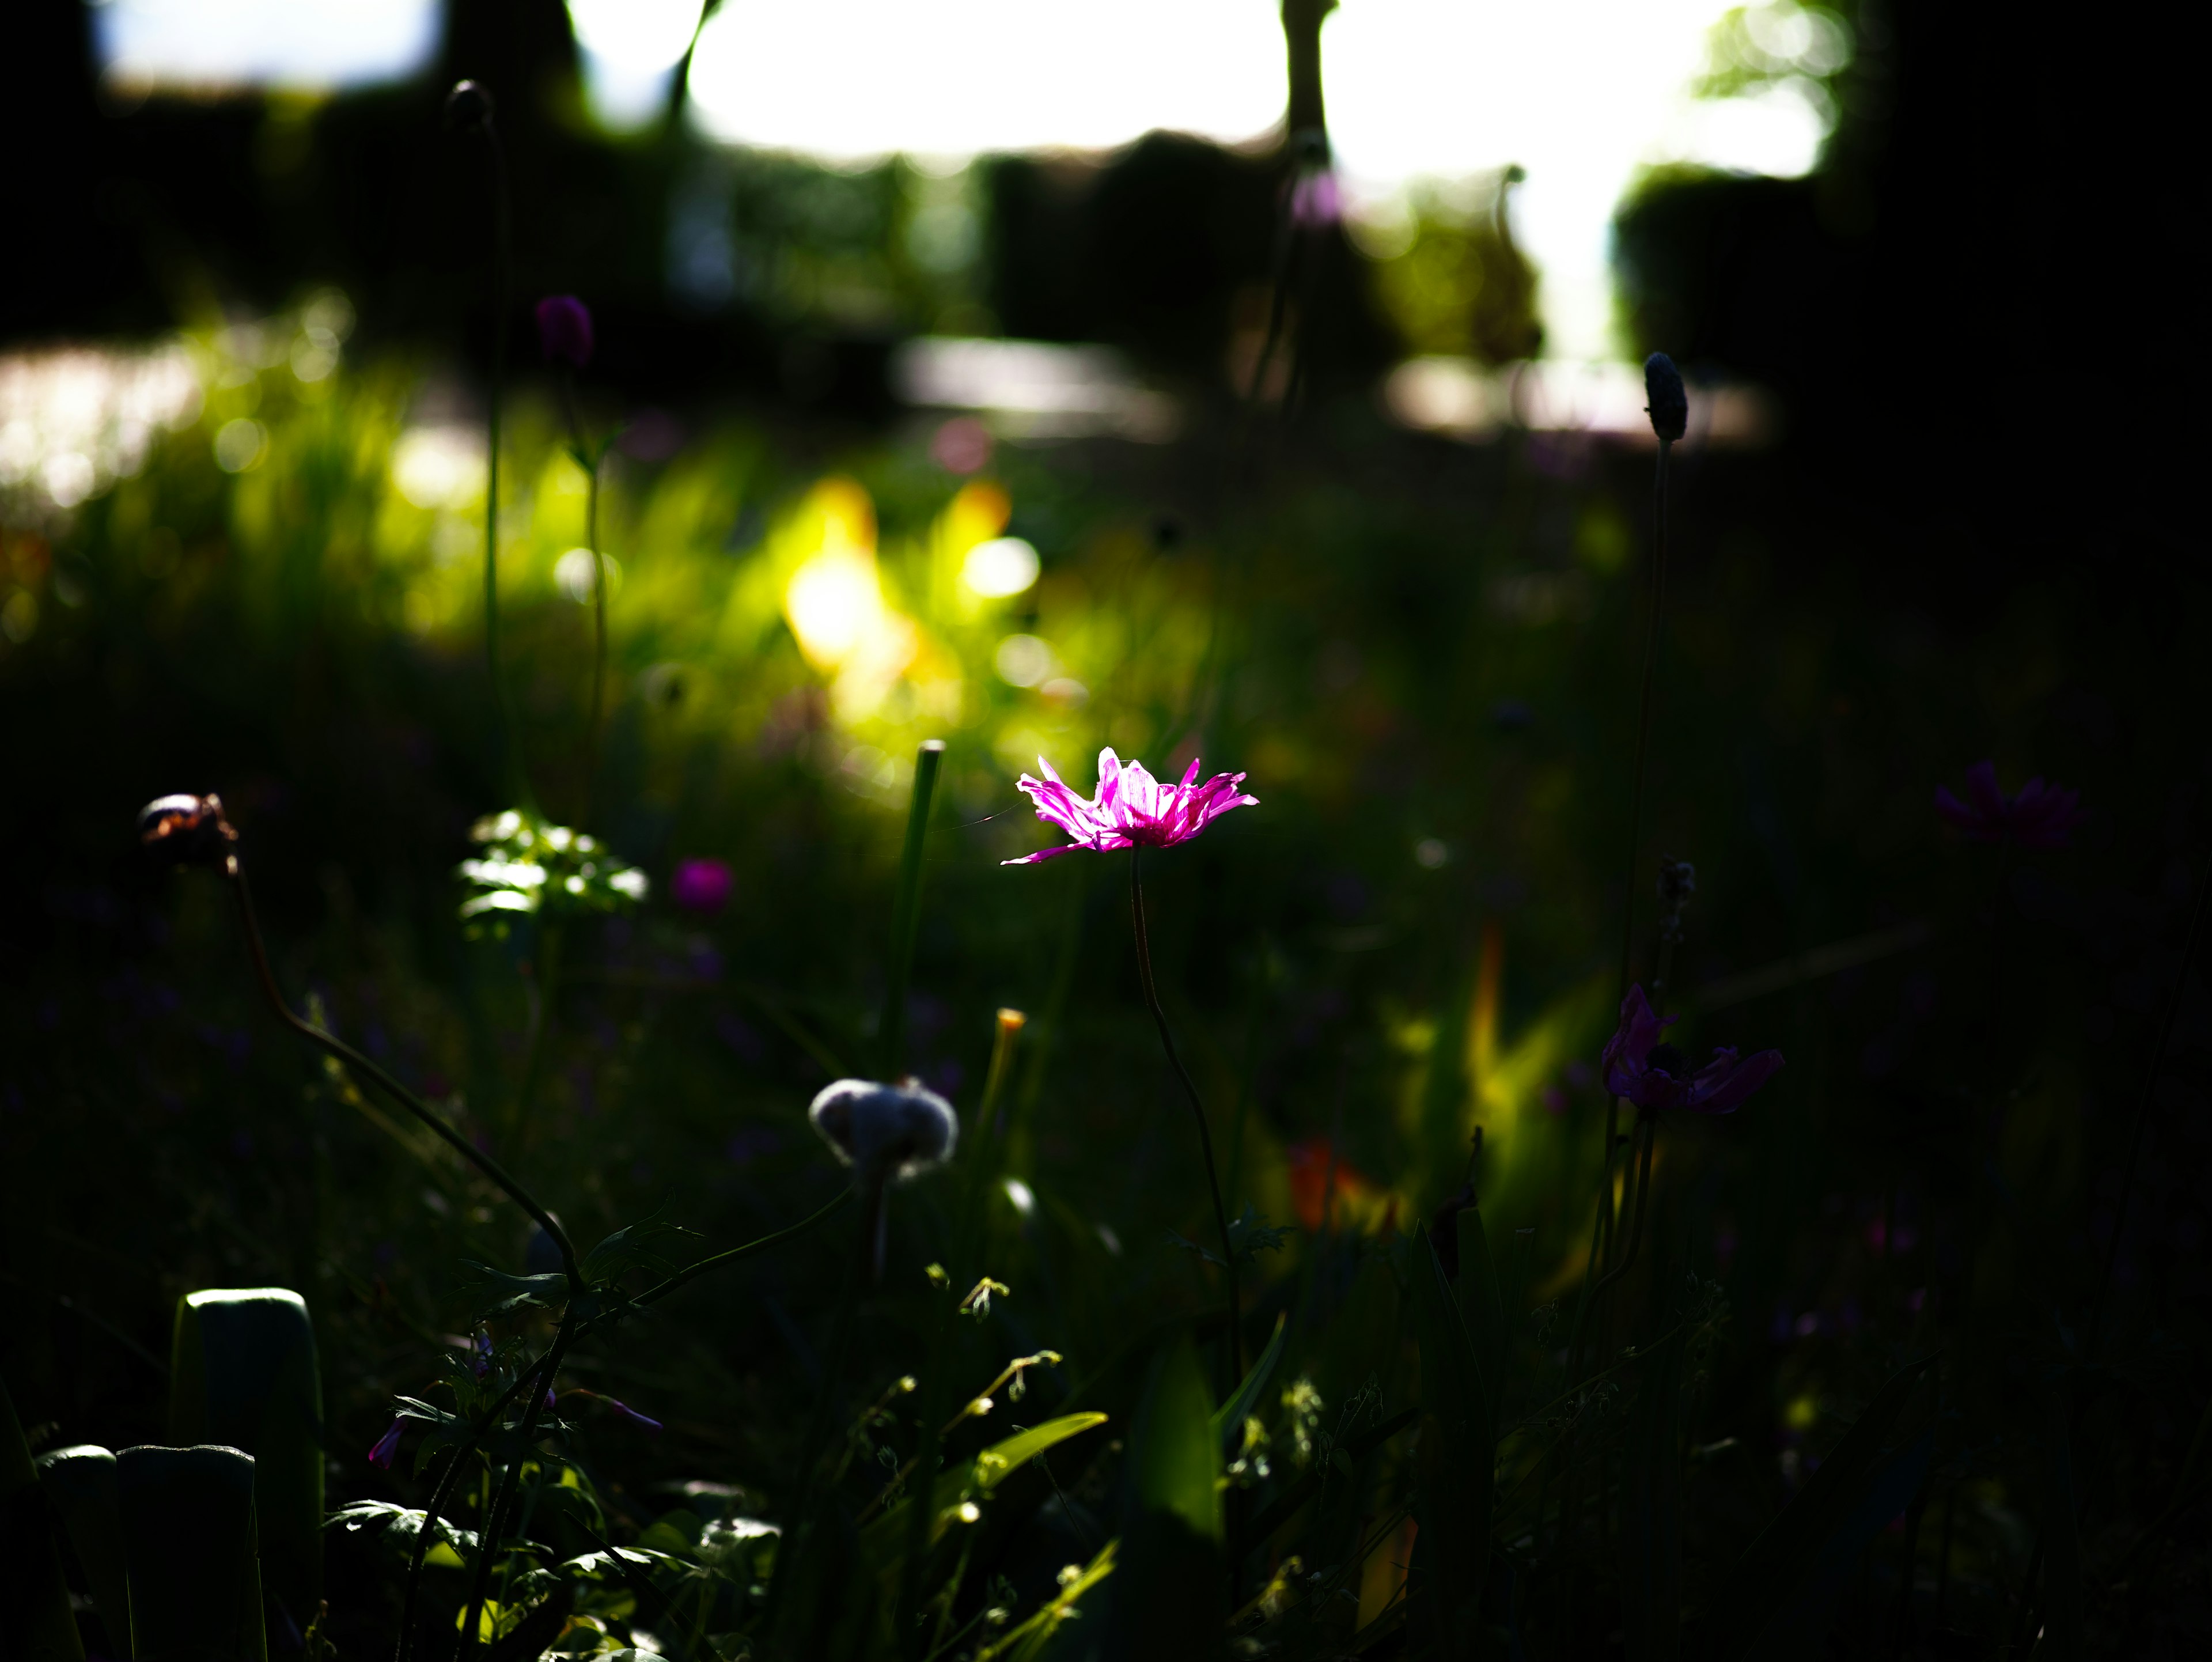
{"type": "Point", "coordinates": [1198, 1113]}
{"type": "Point", "coordinates": [966, 1249]}
{"type": "Point", "coordinates": [398, 1093]}
{"type": "Point", "coordinates": [549, 1369]}
{"type": "Point", "coordinates": [906, 913]}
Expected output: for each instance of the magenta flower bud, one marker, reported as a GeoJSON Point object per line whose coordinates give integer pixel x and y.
{"type": "Point", "coordinates": [387, 1447]}
{"type": "Point", "coordinates": [1132, 809]}
{"type": "Point", "coordinates": [186, 830]}
{"type": "Point", "coordinates": [1669, 405]}
{"type": "Point", "coordinates": [564, 330]}
{"type": "Point", "coordinates": [700, 885]}
{"type": "Point", "coordinates": [468, 106]}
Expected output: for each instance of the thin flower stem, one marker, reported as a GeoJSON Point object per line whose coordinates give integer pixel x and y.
{"type": "Point", "coordinates": [906, 912]}
{"type": "Point", "coordinates": [1198, 1113]}
{"type": "Point", "coordinates": [406, 1099]}
{"type": "Point", "coordinates": [548, 1368]}
{"type": "Point", "coordinates": [503, 722]}
{"type": "Point", "coordinates": [817, 1433]}
{"type": "Point", "coordinates": [599, 635]}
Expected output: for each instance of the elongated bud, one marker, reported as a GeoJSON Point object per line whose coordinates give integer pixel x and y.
{"type": "Point", "coordinates": [468, 108]}
{"type": "Point", "coordinates": [187, 831]}
{"type": "Point", "coordinates": [1669, 405]}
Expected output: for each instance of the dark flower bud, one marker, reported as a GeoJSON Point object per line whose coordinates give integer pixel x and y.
{"type": "Point", "coordinates": [186, 830]}
{"type": "Point", "coordinates": [886, 1130]}
{"type": "Point", "coordinates": [1669, 405]}
{"type": "Point", "coordinates": [468, 108]}
{"type": "Point", "coordinates": [564, 330]}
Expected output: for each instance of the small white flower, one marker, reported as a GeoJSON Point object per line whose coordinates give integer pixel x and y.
{"type": "Point", "coordinates": [886, 1130]}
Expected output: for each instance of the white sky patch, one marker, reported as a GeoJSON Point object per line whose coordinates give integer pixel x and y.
{"type": "Point", "coordinates": [310, 44]}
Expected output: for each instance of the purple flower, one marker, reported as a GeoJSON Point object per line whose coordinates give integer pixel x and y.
{"type": "Point", "coordinates": [1651, 1074]}
{"type": "Point", "coordinates": [2041, 817]}
{"type": "Point", "coordinates": [700, 885]}
{"type": "Point", "coordinates": [481, 1360]}
{"type": "Point", "coordinates": [629, 1413]}
{"type": "Point", "coordinates": [1132, 809]}
{"type": "Point", "coordinates": [387, 1447]}
{"type": "Point", "coordinates": [1316, 200]}
{"type": "Point", "coordinates": [564, 330]}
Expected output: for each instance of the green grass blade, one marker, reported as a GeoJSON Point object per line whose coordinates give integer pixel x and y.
{"type": "Point", "coordinates": [1170, 1595]}
{"type": "Point", "coordinates": [81, 1483]}
{"type": "Point", "coordinates": [1456, 1459]}
{"type": "Point", "coordinates": [243, 1373]}
{"type": "Point", "coordinates": [40, 1627]}
{"type": "Point", "coordinates": [188, 1541]}
{"type": "Point", "coordinates": [1228, 1419]}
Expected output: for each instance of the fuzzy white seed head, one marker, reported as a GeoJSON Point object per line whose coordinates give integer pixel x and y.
{"type": "Point", "coordinates": [886, 1130]}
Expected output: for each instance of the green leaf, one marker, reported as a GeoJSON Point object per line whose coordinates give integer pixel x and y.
{"type": "Point", "coordinates": [81, 1483]}
{"type": "Point", "coordinates": [495, 1292]}
{"type": "Point", "coordinates": [1651, 1512]}
{"type": "Point", "coordinates": [1456, 1460]}
{"type": "Point", "coordinates": [39, 1624]}
{"type": "Point", "coordinates": [632, 1247]}
{"type": "Point", "coordinates": [244, 1374]}
{"type": "Point", "coordinates": [999, 1462]}
{"type": "Point", "coordinates": [401, 1523]}
{"type": "Point", "coordinates": [1228, 1419]}
{"type": "Point", "coordinates": [1779, 1589]}
{"type": "Point", "coordinates": [188, 1541]}
{"type": "Point", "coordinates": [1173, 1585]}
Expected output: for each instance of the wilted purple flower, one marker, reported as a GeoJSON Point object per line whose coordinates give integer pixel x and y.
{"type": "Point", "coordinates": [629, 1413]}
{"type": "Point", "coordinates": [2041, 817]}
{"type": "Point", "coordinates": [481, 1360]}
{"type": "Point", "coordinates": [700, 885]}
{"type": "Point", "coordinates": [1651, 1074]}
{"type": "Point", "coordinates": [564, 330]}
{"type": "Point", "coordinates": [387, 1447]}
{"type": "Point", "coordinates": [1132, 809]}
{"type": "Point", "coordinates": [886, 1130]}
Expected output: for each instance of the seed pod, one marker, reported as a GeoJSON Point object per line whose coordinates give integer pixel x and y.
{"type": "Point", "coordinates": [186, 830]}
{"type": "Point", "coordinates": [468, 108]}
{"type": "Point", "coordinates": [894, 1131]}
{"type": "Point", "coordinates": [1669, 405]}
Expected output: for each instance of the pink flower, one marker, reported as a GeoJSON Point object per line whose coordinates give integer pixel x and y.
{"type": "Point", "coordinates": [564, 330]}
{"type": "Point", "coordinates": [1132, 809]}
{"type": "Point", "coordinates": [387, 1447]}
{"type": "Point", "coordinates": [1651, 1074]}
{"type": "Point", "coordinates": [1317, 201]}
{"type": "Point", "coordinates": [700, 885]}
{"type": "Point", "coordinates": [2041, 817]}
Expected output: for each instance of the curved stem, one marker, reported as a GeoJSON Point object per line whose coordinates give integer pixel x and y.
{"type": "Point", "coordinates": [1198, 1113]}
{"type": "Point", "coordinates": [392, 1087]}
{"type": "Point", "coordinates": [548, 1368]}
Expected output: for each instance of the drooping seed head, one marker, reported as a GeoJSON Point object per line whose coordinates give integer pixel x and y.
{"type": "Point", "coordinates": [1668, 406]}
{"type": "Point", "coordinates": [881, 1131]}
{"type": "Point", "coordinates": [468, 106]}
{"type": "Point", "coordinates": [186, 830]}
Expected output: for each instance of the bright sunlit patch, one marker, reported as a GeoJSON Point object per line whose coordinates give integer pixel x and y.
{"type": "Point", "coordinates": [629, 48]}
{"type": "Point", "coordinates": [73, 422]}
{"type": "Point", "coordinates": [1022, 660]}
{"type": "Point", "coordinates": [834, 602]}
{"type": "Point", "coordinates": [1002, 567]}
{"type": "Point", "coordinates": [240, 445]}
{"type": "Point", "coordinates": [435, 467]}
{"type": "Point", "coordinates": [1021, 1196]}
{"type": "Point", "coordinates": [575, 573]}
{"type": "Point", "coordinates": [307, 44]}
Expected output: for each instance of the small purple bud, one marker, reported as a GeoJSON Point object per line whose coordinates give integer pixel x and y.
{"type": "Point", "coordinates": [1669, 405]}
{"type": "Point", "coordinates": [629, 1413]}
{"type": "Point", "coordinates": [468, 106]}
{"type": "Point", "coordinates": [564, 330]}
{"type": "Point", "coordinates": [186, 830]}
{"type": "Point", "coordinates": [700, 885]}
{"type": "Point", "coordinates": [482, 1361]}
{"type": "Point", "coordinates": [387, 1447]}
{"type": "Point", "coordinates": [551, 1401]}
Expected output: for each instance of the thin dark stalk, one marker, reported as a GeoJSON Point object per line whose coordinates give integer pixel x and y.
{"type": "Point", "coordinates": [795, 1537]}
{"type": "Point", "coordinates": [549, 1369]}
{"type": "Point", "coordinates": [906, 912]}
{"type": "Point", "coordinates": [398, 1093]}
{"type": "Point", "coordinates": [548, 976]}
{"type": "Point", "coordinates": [984, 1146]}
{"type": "Point", "coordinates": [599, 631]}
{"type": "Point", "coordinates": [1198, 1113]}
{"type": "Point", "coordinates": [503, 259]}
